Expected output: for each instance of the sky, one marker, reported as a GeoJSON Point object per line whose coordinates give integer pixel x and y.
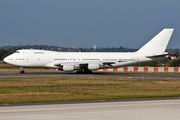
{"type": "Point", "coordinates": [85, 23]}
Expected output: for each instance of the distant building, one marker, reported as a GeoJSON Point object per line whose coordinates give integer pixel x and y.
{"type": "Point", "coordinates": [94, 48]}
{"type": "Point", "coordinates": [173, 57]}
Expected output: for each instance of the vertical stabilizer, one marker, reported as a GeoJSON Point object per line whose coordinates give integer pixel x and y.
{"type": "Point", "coordinates": [159, 43]}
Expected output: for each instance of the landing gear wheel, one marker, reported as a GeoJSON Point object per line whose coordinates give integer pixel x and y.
{"type": "Point", "coordinates": [84, 72]}
{"type": "Point", "coordinates": [80, 72]}
{"type": "Point", "coordinates": [22, 71]}
{"type": "Point", "coordinates": [88, 72]}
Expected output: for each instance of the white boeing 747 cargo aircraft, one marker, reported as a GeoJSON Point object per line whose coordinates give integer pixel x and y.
{"type": "Point", "coordinates": [84, 62]}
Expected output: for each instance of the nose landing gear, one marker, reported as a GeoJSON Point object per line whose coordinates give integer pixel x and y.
{"type": "Point", "coordinates": [22, 71]}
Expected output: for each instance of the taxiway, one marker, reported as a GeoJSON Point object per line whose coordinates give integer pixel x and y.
{"type": "Point", "coordinates": [131, 110]}
{"type": "Point", "coordinates": [95, 75]}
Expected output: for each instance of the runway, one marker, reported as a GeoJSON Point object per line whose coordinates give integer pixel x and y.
{"type": "Point", "coordinates": [131, 110]}
{"type": "Point", "coordinates": [95, 75]}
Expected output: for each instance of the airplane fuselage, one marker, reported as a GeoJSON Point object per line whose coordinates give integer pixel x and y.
{"type": "Point", "coordinates": [44, 58]}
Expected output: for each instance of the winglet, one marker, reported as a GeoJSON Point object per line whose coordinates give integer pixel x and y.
{"type": "Point", "coordinates": [159, 43]}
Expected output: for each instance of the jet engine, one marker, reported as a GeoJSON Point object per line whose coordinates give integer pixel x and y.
{"type": "Point", "coordinates": [93, 66]}
{"type": "Point", "coordinates": [68, 67]}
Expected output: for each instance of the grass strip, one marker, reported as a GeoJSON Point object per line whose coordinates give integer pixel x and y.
{"type": "Point", "coordinates": [31, 90]}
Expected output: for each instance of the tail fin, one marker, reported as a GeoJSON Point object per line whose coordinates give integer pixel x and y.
{"type": "Point", "coordinates": [159, 43]}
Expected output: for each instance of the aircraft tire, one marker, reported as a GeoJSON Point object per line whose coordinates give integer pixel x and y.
{"type": "Point", "coordinates": [22, 71]}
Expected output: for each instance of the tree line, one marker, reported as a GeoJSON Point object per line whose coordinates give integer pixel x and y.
{"type": "Point", "coordinates": [6, 52]}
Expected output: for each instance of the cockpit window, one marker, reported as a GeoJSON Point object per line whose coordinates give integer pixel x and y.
{"type": "Point", "coordinates": [17, 51]}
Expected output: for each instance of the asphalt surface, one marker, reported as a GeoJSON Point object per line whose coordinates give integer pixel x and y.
{"type": "Point", "coordinates": [125, 110]}
{"type": "Point", "coordinates": [131, 109]}
{"type": "Point", "coordinates": [94, 74]}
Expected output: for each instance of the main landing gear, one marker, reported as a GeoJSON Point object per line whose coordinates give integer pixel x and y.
{"type": "Point", "coordinates": [84, 71]}
{"type": "Point", "coordinates": [22, 71]}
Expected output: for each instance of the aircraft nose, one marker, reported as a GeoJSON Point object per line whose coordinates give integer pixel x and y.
{"type": "Point", "coordinates": [5, 59]}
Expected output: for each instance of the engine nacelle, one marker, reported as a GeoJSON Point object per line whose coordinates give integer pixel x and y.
{"type": "Point", "coordinates": [68, 67]}
{"type": "Point", "coordinates": [93, 66]}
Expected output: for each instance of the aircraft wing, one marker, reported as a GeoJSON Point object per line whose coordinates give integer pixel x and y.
{"type": "Point", "coordinates": [62, 63]}
{"type": "Point", "coordinates": [86, 63]}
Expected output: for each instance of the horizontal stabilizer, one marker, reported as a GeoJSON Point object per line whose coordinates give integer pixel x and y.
{"type": "Point", "coordinates": [158, 55]}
